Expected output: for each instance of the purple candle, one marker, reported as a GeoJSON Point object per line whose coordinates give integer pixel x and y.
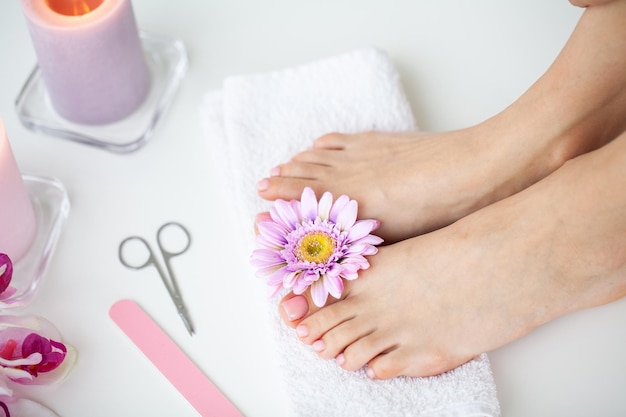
{"type": "Point", "coordinates": [90, 57]}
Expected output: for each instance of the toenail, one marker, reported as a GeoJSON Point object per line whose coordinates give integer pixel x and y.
{"type": "Point", "coordinates": [370, 373]}
{"type": "Point", "coordinates": [295, 308]}
{"type": "Point", "coordinates": [275, 172]}
{"type": "Point", "coordinates": [302, 330]}
{"type": "Point", "coordinates": [340, 359]}
{"type": "Point", "coordinates": [263, 185]}
{"type": "Point", "coordinates": [319, 345]}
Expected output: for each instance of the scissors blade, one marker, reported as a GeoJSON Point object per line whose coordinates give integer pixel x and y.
{"type": "Point", "coordinates": [182, 312]}
{"type": "Point", "coordinates": [172, 289]}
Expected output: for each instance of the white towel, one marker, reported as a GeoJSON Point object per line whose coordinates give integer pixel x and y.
{"type": "Point", "coordinates": [259, 121]}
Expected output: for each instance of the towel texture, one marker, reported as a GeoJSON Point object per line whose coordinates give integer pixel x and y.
{"type": "Point", "coordinates": [259, 121]}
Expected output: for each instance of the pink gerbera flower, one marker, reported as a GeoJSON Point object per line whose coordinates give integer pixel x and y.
{"type": "Point", "coordinates": [313, 244]}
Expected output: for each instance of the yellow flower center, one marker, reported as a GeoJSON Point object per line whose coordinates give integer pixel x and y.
{"type": "Point", "coordinates": [315, 247]}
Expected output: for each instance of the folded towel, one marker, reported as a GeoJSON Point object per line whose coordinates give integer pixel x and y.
{"type": "Point", "coordinates": [259, 121]}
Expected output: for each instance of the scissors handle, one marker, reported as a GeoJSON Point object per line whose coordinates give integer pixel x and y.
{"type": "Point", "coordinates": [168, 255]}
{"type": "Point", "coordinates": [163, 247]}
{"type": "Point", "coordinates": [133, 265]}
{"type": "Point", "coordinates": [170, 284]}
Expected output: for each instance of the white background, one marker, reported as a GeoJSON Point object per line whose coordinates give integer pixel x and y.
{"type": "Point", "coordinates": [460, 61]}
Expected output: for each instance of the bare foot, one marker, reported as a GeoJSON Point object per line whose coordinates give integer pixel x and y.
{"type": "Point", "coordinates": [413, 183]}
{"type": "Point", "coordinates": [431, 303]}
{"type": "Point", "coordinates": [417, 183]}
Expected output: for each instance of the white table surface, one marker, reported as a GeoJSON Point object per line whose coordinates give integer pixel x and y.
{"type": "Point", "coordinates": [460, 62]}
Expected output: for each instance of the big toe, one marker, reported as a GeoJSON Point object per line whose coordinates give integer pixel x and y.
{"type": "Point", "coordinates": [293, 308]}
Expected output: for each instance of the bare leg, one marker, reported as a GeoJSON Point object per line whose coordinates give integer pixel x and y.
{"type": "Point", "coordinates": [418, 183]}
{"type": "Point", "coordinates": [433, 302]}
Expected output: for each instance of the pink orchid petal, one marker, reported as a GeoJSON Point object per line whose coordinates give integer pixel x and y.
{"type": "Point", "coordinates": [32, 359]}
{"type": "Point", "coordinates": [6, 271]}
{"type": "Point", "coordinates": [23, 407]}
{"type": "Point", "coordinates": [5, 296]}
{"type": "Point", "coordinates": [5, 389]}
{"type": "Point", "coordinates": [58, 374]}
{"type": "Point", "coordinates": [16, 374]}
{"type": "Point", "coordinates": [30, 351]}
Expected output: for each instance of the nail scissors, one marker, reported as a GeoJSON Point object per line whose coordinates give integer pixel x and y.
{"type": "Point", "coordinates": [170, 284]}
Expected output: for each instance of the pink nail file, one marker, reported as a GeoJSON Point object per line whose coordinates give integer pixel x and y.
{"type": "Point", "coordinates": [205, 397]}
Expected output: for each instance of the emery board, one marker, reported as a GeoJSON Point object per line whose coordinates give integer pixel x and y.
{"type": "Point", "coordinates": [171, 361]}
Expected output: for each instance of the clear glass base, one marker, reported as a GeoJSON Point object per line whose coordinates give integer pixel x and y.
{"type": "Point", "coordinates": [52, 206]}
{"type": "Point", "coordinates": [167, 63]}
{"type": "Point", "coordinates": [22, 407]}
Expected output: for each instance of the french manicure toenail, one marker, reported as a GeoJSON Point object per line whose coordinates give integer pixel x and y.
{"type": "Point", "coordinates": [263, 185]}
{"type": "Point", "coordinates": [295, 308]}
{"type": "Point", "coordinates": [275, 172]}
{"type": "Point", "coordinates": [370, 373]}
{"type": "Point", "coordinates": [319, 345]}
{"type": "Point", "coordinates": [302, 330]}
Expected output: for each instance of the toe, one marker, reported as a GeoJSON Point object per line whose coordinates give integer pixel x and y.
{"type": "Point", "coordinates": [385, 366]}
{"type": "Point", "coordinates": [362, 351]}
{"type": "Point", "coordinates": [273, 188]}
{"type": "Point", "coordinates": [336, 340]}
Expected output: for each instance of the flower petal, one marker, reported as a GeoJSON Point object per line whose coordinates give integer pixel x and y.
{"type": "Point", "coordinates": [291, 279]}
{"type": "Point", "coordinates": [338, 207]}
{"type": "Point", "coordinates": [347, 216]}
{"type": "Point", "coordinates": [319, 294]}
{"type": "Point", "coordinates": [283, 213]}
{"type": "Point", "coordinates": [265, 257]}
{"type": "Point", "coordinates": [308, 204]}
{"type": "Point", "coordinates": [334, 285]}
{"type": "Point", "coordinates": [292, 251]}
{"type": "Point", "coordinates": [273, 232]}
{"type": "Point", "coordinates": [361, 249]}
{"type": "Point", "coordinates": [31, 359]}
{"type": "Point", "coordinates": [325, 204]}
{"type": "Point", "coordinates": [370, 240]}
{"type": "Point", "coordinates": [268, 271]}
{"type": "Point", "coordinates": [6, 271]}
{"type": "Point", "coordinates": [362, 228]}
{"type": "Point", "coordinates": [277, 277]}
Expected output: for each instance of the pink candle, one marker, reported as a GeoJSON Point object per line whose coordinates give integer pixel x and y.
{"type": "Point", "coordinates": [90, 57]}
{"type": "Point", "coordinates": [17, 217]}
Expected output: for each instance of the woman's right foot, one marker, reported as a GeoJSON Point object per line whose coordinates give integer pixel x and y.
{"type": "Point", "coordinates": [414, 183]}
